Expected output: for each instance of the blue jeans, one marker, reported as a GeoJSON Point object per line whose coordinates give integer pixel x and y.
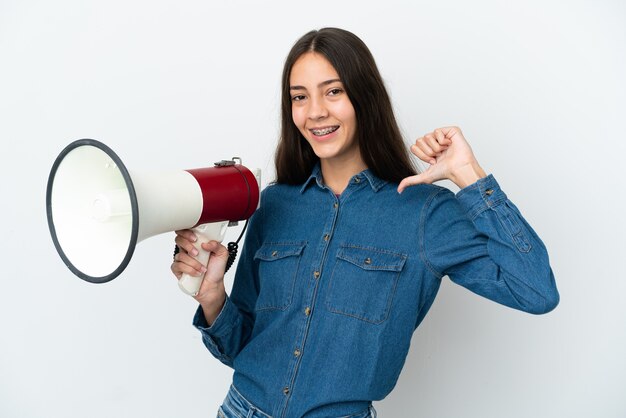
{"type": "Point", "coordinates": [236, 406]}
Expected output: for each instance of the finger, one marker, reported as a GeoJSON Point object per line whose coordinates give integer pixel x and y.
{"type": "Point", "coordinates": [215, 247]}
{"type": "Point", "coordinates": [190, 261]}
{"type": "Point", "coordinates": [217, 262]}
{"type": "Point", "coordinates": [423, 152]}
{"type": "Point", "coordinates": [451, 131]}
{"type": "Point", "coordinates": [441, 138]}
{"type": "Point", "coordinates": [186, 245]}
{"type": "Point", "coordinates": [187, 234]}
{"type": "Point", "coordinates": [412, 181]}
{"type": "Point", "coordinates": [434, 144]}
{"type": "Point", "coordinates": [180, 268]}
{"type": "Point", "coordinates": [175, 270]}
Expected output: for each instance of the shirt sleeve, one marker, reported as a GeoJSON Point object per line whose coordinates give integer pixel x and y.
{"type": "Point", "coordinates": [232, 328]}
{"type": "Point", "coordinates": [481, 241]}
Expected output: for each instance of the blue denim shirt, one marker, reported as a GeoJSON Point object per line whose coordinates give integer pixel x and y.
{"type": "Point", "coordinates": [329, 290]}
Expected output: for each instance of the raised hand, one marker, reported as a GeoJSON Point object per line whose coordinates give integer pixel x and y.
{"type": "Point", "coordinates": [450, 157]}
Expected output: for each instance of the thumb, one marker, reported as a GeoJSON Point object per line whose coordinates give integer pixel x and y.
{"type": "Point", "coordinates": [217, 251]}
{"type": "Point", "coordinates": [413, 180]}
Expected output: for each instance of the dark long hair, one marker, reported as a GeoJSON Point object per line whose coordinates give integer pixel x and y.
{"type": "Point", "coordinates": [380, 142]}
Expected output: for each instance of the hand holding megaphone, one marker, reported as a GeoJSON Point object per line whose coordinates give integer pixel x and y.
{"type": "Point", "coordinates": [190, 282]}
{"type": "Point", "coordinates": [210, 275]}
{"type": "Point", "coordinates": [98, 211]}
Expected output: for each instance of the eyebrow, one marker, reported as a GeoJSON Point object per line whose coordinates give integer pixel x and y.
{"type": "Point", "coordinates": [322, 84]}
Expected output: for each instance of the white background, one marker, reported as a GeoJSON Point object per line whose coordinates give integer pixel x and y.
{"type": "Point", "coordinates": [538, 88]}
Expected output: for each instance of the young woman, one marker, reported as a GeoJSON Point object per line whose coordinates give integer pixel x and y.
{"type": "Point", "coordinates": [343, 259]}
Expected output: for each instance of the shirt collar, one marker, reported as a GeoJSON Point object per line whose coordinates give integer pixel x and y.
{"type": "Point", "coordinates": [316, 175]}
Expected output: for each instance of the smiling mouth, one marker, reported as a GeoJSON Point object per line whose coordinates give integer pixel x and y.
{"type": "Point", "coordinates": [324, 131]}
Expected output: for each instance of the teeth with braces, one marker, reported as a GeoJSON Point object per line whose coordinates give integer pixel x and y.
{"type": "Point", "coordinates": [325, 131]}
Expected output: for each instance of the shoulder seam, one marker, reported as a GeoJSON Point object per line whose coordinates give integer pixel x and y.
{"type": "Point", "coordinates": [422, 226]}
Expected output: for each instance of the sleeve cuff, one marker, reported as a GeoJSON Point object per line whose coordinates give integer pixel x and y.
{"type": "Point", "coordinates": [481, 195]}
{"type": "Point", "coordinates": [222, 325]}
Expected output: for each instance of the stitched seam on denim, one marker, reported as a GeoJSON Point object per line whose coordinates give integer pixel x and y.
{"type": "Point", "coordinates": [217, 353]}
{"type": "Point", "coordinates": [290, 297]}
{"type": "Point", "coordinates": [430, 297]}
{"type": "Point", "coordinates": [249, 404]}
{"type": "Point", "coordinates": [483, 205]}
{"type": "Point", "coordinates": [290, 243]}
{"type": "Point", "coordinates": [521, 237]}
{"type": "Point", "coordinates": [378, 250]}
{"type": "Point", "coordinates": [227, 330]}
{"type": "Point", "coordinates": [255, 268]}
{"type": "Point", "coordinates": [508, 224]}
{"type": "Point", "coordinates": [375, 182]}
{"type": "Point", "coordinates": [361, 414]}
{"type": "Point", "coordinates": [267, 246]}
{"type": "Point", "coordinates": [359, 263]}
{"type": "Point", "coordinates": [471, 187]}
{"type": "Point", "coordinates": [349, 191]}
{"type": "Point", "coordinates": [346, 312]}
{"type": "Point", "coordinates": [301, 245]}
{"type": "Point", "coordinates": [304, 333]}
{"type": "Point", "coordinates": [421, 233]}
{"type": "Point", "coordinates": [232, 411]}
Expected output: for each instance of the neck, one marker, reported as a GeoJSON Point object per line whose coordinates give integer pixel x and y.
{"type": "Point", "coordinates": [337, 174]}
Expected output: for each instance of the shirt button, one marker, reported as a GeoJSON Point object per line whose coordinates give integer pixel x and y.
{"type": "Point", "coordinates": [274, 253]}
{"type": "Point", "coordinates": [286, 390]}
{"type": "Point", "coordinates": [357, 179]}
{"type": "Point", "coordinates": [297, 353]}
{"type": "Point", "coordinates": [489, 192]}
{"type": "Point", "coordinates": [336, 205]}
{"type": "Point", "coordinates": [326, 237]}
{"type": "Point", "coordinates": [368, 260]}
{"type": "Point", "coordinates": [307, 311]}
{"type": "Point", "coordinates": [316, 274]}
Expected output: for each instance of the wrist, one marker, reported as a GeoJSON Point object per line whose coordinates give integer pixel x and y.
{"type": "Point", "coordinates": [467, 174]}
{"type": "Point", "coordinates": [212, 305]}
{"type": "Point", "coordinates": [211, 293]}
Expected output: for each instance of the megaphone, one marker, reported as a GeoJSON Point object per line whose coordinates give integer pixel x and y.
{"type": "Point", "coordinates": [98, 211]}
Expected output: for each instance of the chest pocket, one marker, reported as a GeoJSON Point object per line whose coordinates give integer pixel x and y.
{"type": "Point", "coordinates": [278, 269]}
{"type": "Point", "coordinates": [363, 283]}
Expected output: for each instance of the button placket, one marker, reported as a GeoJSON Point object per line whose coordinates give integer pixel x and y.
{"type": "Point", "coordinates": [317, 266]}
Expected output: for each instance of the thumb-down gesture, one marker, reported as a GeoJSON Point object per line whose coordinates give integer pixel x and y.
{"type": "Point", "coordinates": [450, 157]}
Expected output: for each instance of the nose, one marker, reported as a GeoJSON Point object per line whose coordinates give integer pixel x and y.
{"type": "Point", "coordinates": [317, 109]}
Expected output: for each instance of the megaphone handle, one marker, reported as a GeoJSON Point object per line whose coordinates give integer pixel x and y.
{"type": "Point", "coordinates": [204, 233]}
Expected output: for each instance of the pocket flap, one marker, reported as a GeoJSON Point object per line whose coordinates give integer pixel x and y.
{"type": "Point", "coordinates": [371, 258]}
{"type": "Point", "coordinates": [276, 251]}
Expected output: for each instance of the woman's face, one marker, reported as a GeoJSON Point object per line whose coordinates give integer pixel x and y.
{"type": "Point", "coordinates": [322, 111]}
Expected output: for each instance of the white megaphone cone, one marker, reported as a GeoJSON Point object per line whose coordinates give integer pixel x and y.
{"type": "Point", "coordinates": [98, 211]}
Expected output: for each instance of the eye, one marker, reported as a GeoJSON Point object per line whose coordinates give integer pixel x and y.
{"type": "Point", "coordinates": [297, 98]}
{"type": "Point", "coordinates": [335, 91]}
